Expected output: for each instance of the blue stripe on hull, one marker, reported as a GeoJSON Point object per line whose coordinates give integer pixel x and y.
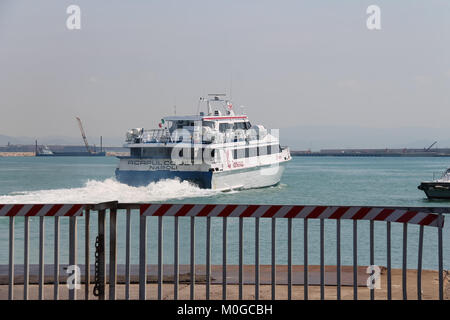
{"type": "Point", "coordinates": [143, 178]}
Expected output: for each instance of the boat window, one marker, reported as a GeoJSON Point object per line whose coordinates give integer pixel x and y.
{"type": "Point", "coordinates": [210, 124]}
{"type": "Point", "coordinates": [273, 149]}
{"type": "Point", "coordinates": [262, 151]}
{"type": "Point", "coordinates": [157, 153]}
{"type": "Point", "coordinates": [224, 127]}
{"type": "Point", "coordinates": [239, 153]}
{"type": "Point", "coordinates": [239, 125]}
{"type": "Point", "coordinates": [247, 125]}
{"type": "Point", "coordinates": [135, 152]}
{"type": "Point", "coordinates": [208, 154]}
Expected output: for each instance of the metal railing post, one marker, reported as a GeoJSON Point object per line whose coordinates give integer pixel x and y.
{"type": "Point", "coordinates": [112, 253]}
{"type": "Point", "coordinates": [160, 258]}
{"type": "Point", "coordinates": [355, 259]}
{"type": "Point", "coordinates": [372, 255]}
{"type": "Point", "coordinates": [289, 259]}
{"type": "Point", "coordinates": [56, 261]}
{"type": "Point", "coordinates": [127, 255]}
{"type": "Point", "coordinates": [305, 258]}
{"type": "Point", "coordinates": [11, 260]}
{"type": "Point", "coordinates": [73, 252]}
{"type": "Point", "coordinates": [404, 264]}
{"type": "Point", "coordinates": [142, 257]}
{"type": "Point", "coordinates": [257, 258]}
{"type": "Point", "coordinates": [41, 257]}
{"type": "Point", "coordinates": [440, 257]}
{"type": "Point", "coordinates": [208, 257]}
{"type": "Point", "coordinates": [87, 264]}
{"type": "Point", "coordinates": [224, 258]}
{"type": "Point", "coordinates": [338, 259]}
{"type": "Point", "coordinates": [274, 271]}
{"type": "Point", "coordinates": [419, 264]}
{"type": "Point", "coordinates": [322, 259]}
{"type": "Point", "coordinates": [192, 293]}
{"type": "Point", "coordinates": [241, 257]}
{"type": "Point", "coordinates": [176, 276]}
{"type": "Point", "coordinates": [101, 254]}
{"type": "Point", "coordinates": [26, 257]}
{"type": "Point", "coordinates": [388, 259]}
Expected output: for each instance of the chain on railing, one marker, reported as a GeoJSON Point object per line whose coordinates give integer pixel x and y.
{"type": "Point", "coordinates": [98, 286]}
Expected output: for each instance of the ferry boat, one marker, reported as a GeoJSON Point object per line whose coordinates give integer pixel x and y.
{"type": "Point", "coordinates": [438, 188]}
{"type": "Point", "coordinates": [217, 149]}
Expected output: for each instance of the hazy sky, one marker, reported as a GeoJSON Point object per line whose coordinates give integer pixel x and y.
{"type": "Point", "coordinates": [291, 63]}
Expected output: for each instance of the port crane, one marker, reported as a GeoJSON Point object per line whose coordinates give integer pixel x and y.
{"type": "Point", "coordinates": [83, 135]}
{"type": "Point", "coordinates": [429, 148]}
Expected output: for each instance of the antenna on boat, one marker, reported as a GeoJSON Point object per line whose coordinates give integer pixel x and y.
{"type": "Point", "coordinates": [231, 85]}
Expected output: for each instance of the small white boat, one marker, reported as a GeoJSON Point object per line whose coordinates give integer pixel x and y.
{"type": "Point", "coordinates": [218, 150]}
{"type": "Point", "coordinates": [437, 188]}
{"type": "Point", "coordinates": [44, 152]}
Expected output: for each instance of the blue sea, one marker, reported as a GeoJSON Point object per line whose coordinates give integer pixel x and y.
{"type": "Point", "coordinates": [378, 181]}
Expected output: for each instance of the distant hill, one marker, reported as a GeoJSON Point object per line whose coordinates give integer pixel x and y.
{"type": "Point", "coordinates": [4, 140]}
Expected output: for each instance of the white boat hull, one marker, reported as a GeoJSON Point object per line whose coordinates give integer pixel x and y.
{"type": "Point", "coordinates": [258, 177]}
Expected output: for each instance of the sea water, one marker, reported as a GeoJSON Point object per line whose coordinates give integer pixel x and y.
{"type": "Point", "coordinates": [377, 181]}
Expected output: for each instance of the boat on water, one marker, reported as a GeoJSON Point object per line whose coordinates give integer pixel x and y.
{"type": "Point", "coordinates": [45, 151]}
{"type": "Point", "coordinates": [217, 149]}
{"type": "Point", "coordinates": [437, 188]}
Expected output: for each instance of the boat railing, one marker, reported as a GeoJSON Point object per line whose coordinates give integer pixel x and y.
{"type": "Point", "coordinates": [156, 135]}
{"type": "Point", "coordinates": [196, 136]}
{"type": "Point", "coordinates": [442, 176]}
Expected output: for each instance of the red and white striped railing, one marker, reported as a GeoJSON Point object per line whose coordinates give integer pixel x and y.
{"type": "Point", "coordinates": [285, 211]}
{"type": "Point", "coordinates": [40, 210]}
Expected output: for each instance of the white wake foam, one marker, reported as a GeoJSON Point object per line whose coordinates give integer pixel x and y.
{"type": "Point", "coordinates": [109, 190]}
